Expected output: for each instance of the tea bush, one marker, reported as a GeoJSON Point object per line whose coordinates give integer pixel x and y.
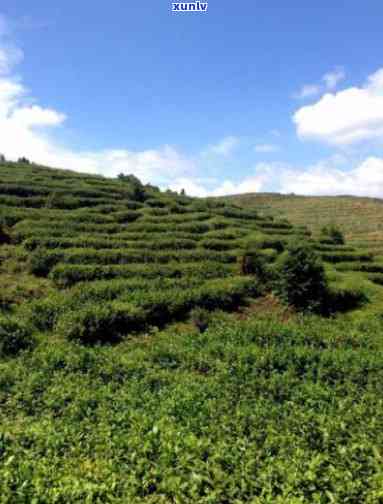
{"type": "Point", "coordinates": [65, 275]}
{"type": "Point", "coordinates": [15, 336]}
{"type": "Point", "coordinates": [254, 263]}
{"type": "Point", "coordinates": [101, 323]}
{"type": "Point", "coordinates": [331, 234]}
{"type": "Point", "coordinates": [42, 261]}
{"type": "Point", "coordinates": [200, 318]}
{"type": "Point", "coordinates": [4, 236]}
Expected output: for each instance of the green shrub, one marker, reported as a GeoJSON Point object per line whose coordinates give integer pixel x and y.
{"type": "Point", "coordinates": [218, 245]}
{"type": "Point", "coordinates": [15, 336]}
{"type": "Point", "coordinates": [331, 234]}
{"type": "Point", "coordinates": [126, 216]}
{"type": "Point", "coordinates": [44, 313]}
{"type": "Point", "coordinates": [280, 225]}
{"type": "Point", "coordinates": [155, 203]}
{"type": "Point", "coordinates": [42, 261]}
{"type": "Point", "coordinates": [340, 256]}
{"type": "Point", "coordinates": [261, 241]}
{"type": "Point", "coordinates": [66, 275]}
{"type": "Point", "coordinates": [96, 323]}
{"type": "Point", "coordinates": [369, 267]}
{"type": "Point", "coordinates": [200, 318]}
{"type": "Point", "coordinates": [237, 213]}
{"type": "Point", "coordinates": [343, 298]}
{"type": "Point", "coordinates": [300, 277]}
{"type": "Point", "coordinates": [4, 236]}
{"type": "Point", "coordinates": [177, 209]}
{"type": "Point", "coordinates": [254, 263]}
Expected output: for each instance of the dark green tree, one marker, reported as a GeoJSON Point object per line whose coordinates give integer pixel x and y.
{"type": "Point", "coordinates": [300, 278]}
{"type": "Point", "coordinates": [138, 190]}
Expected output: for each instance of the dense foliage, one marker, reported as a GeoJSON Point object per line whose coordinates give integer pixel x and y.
{"type": "Point", "coordinates": [254, 410]}
{"type": "Point", "coordinates": [300, 277]}
{"type": "Point", "coordinates": [332, 234]}
{"type": "Point", "coordinates": [143, 358]}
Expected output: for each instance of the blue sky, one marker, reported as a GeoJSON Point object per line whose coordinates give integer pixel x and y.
{"type": "Point", "coordinates": [251, 96]}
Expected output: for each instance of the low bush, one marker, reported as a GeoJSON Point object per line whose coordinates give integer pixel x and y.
{"type": "Point", "coordinates": [368, 267]}
{"type": "Point", "coordinates": [237, 213]}
{"type": "Point", "coordinates": [254, 263]}
{"type": "Point", "coordinates": [66, 275]}
{"type": "Point", "coordinates": [341, 256]}
{"type": "Point", "coordinates": [15, 336]}
{"type": "Point", "coordinates": [107, 322]}
{"type": "Point", "coordinates": [42, 261]}
{"type": "Point", "coordinates": [5, 237]}
{"type": "Point", "coordinates": [331, 234]}
{"type": "Point", "coordinates": [96, 323]}
{"type": "Point", "coordinates": [200, 318]}
{"type": "Point", "coordinates": [155, 203]}
{"type": "Point", "coordinates": [218, 245]}
{"type": "Point", "coordinates": [44, 313]}
{"type": "Point", "coordinates": [261, 241]}
{"type": "Point", "coordinates": [280, 225]}
{"type": "Point", "coordinates": [176, 208]}
{"type": "Point", "coordinates": [126, 216]}
{"type": "Point", "coordinates": [343, 298]}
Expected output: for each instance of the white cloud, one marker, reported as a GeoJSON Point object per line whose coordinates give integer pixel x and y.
{"type": "Point", "coordinates": [203, 187]}
{"type": "Point", "coordinates": [192, 186]}
{"type": "Point", "coordinates": [307, 91]}
{"type": "Point", "coordinates": [247, 185]}
{"type": "Point", "coordinates": [198, 187]}
{"type": "Point", "coordinates": [327, 178]}
{"type": "Point", "coordinates": [9, 57]}
{"type": "Point", "coordinates": [266, 148]}
{"type": "Point", "coordinates": [343, 118]}
{"type": "Point", "coordinates": [332, 79]}
{"type": "Point", "coordinates": [37, 116]}
{"type": "Point", "coordinates": [225, 147]}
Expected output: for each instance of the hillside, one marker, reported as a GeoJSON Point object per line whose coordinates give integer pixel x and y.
{"type": "Point", "coordinates": [361, 219]}
{"type": "Point", "coordinates": [67, 229]}
{"type": "Point", "coordinates": [145, 359]}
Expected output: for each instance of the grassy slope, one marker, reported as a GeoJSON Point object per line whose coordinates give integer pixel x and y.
{"type": "Point", "coordinates": [361, 219]}
{"type": "Point", "coordinates": [264, 407]}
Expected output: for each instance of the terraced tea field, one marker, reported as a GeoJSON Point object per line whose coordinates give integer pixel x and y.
{"type": "Point", "coordinates": [154, 257]}
{"type": "Point", "coordinates": [361, 219]}
{"type": "Point", "coordinates": [144, 359]}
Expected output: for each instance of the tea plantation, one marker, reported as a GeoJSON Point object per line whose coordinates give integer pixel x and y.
{"type": "Point", "coordinates": [157, 348]}
{"type": "Point", "coordinates": [360, 218]}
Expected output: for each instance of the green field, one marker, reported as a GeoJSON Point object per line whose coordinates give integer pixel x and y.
{"type": "Point", "coordinates": [361, 219]}
{"type": "Point", "coordinates": [148, 353]}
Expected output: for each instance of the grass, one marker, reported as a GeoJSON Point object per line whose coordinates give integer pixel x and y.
{"type": "Point", "coordinates": [138, 365]}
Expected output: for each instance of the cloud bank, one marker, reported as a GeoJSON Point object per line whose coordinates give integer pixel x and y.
{"type": "Point", "coordinates": [348, 117]}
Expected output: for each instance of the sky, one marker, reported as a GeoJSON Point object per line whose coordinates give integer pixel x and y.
{"type": "Point", "coordinates": [248, 96]}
